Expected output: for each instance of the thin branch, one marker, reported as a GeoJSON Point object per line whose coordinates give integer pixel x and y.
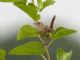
{"type": "Point", "coordinates": [46, 49]}
{"type": "Point", "coordinates": [47, 52]}
{"type": "Point", "coordinates": [50, 43]}
{"type": "Point", "coordinates": [41, 39]}
{"type": "Point", "coordinates": [43, 57]}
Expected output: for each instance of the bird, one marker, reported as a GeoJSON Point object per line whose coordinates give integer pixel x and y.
{"type": "Point", "coordinates": [42, 28]}
{"type": "Point", "coordinates": [45, 30]}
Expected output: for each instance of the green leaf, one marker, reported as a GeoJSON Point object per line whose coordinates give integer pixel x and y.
{"type": "Point", "coordinates": [27, 31]}
{"type": "Point", "coordinates": [30, 10]}
{"type": "Point", "coordinates": [40, 4]}
{"type": "Point", "coordinates": [2, 58]}
{"type": "Point", "coordinates": [2, 52]}
{"type": "Point", "coordinates": [61, 32]}
{"type": "Point", "coordinates": [31, 4]}
{"type": "Point", "coordinates": [30, 48]}
{"type": "Point", "coordinates": [62, 55]}
{"type": "Point", "coordinates": [48, 3]}
{"type": "Point", "coordinates": [13, 0]}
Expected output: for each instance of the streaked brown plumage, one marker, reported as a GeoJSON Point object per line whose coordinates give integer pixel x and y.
{"type": "Point", "coordinates": [43, 28]}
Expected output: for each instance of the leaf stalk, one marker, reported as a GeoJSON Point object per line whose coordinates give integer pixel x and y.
{"type": "Point", "coordinates": [46, 49]}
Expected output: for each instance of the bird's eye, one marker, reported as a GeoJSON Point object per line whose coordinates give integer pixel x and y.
{"type": "Point", "coordinates": [38, 23]}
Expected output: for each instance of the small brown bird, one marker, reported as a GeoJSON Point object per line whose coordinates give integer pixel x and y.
{"type": "Point", "coordinates": [43, 28]}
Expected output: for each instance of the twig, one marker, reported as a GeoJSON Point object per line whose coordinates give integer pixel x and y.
{"type": "Point", "coordinates": [46, 49]}
{"type": "Point", "coordinates": [41, 39]}
{"type": "Point", "coordinates": [50, 43]}
{"type": "Point", "coordinates": [43, 57]}
{"type": "Point", "coordinates": [47, 52]}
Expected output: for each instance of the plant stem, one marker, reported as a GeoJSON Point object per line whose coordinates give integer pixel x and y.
{"type": "Point", "coordinates": [44, 57]}
{"type": "Point", "coordinates": [47, 52]}
{"type": "Point", "coordinates": [50, 43]}
{"type": "Point", "coordinates": [46, 49]}
{"type": "Point", "coordinates": [41, 39]}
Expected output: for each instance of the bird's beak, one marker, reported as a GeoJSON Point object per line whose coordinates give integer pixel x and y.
{"type": "Point", "coordinates": [35, 23]}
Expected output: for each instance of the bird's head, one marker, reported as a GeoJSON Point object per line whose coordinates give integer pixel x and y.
{"type": "Point", "coordinates": [39, 24]}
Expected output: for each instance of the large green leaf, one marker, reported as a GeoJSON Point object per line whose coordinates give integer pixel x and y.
{"type": "Point", "coordinates": [2, 54]}
{"type": "Point", "coordinates": [30, 48]}
{"type": "Point", "coordinates": [30, 10]}
{"type": "Point", "coordinates": [27, 31]}
{"type": "Point", "coordinates": [48, 3]}
{"type": "Point", "coordinates": [13, 0]}
{"type": "Point", "coordinates": [61, 32]}
{"type": "Point", "coordinates": [62, 55]}
{"type": "Point", "coordinates": [40, 4]}
{"type": "Point", "coordinates": [2, 58]}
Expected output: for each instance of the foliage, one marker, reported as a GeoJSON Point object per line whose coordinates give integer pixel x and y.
{"type": "Point", "coordinates": [31, 9]}
{"type": "Point", "coordinates": [48, 3]}
{"type": "Point", "coordinates": [2, 54]}
{"type": "Point", "coordinates": [30, 48]}
{"type": "Point", "coordinates": [62, 55]}
{"type": "Point", "coordinates": [27, 31]}
{"type": "Point", "coordinates": [61, 32]}
{"type": "Point", "coordinates": [40, 4]}
{"type": "Point", "coordinates": [13, 0]}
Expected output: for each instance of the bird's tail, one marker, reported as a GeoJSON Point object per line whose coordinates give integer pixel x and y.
{"type": "Point", "coordinates": [52, 22]}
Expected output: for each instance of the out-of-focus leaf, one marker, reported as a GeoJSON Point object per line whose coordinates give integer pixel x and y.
{"type": "Point", "coordinates": [2, 58]}
{"type": "Point", "coordinates": [30, 48]}
{"type": "Point", "coordinates": [40, 4]}
{"type": "Point", "coordinates": [2, 52]}
{"type": "Point", "coordinates": [30, 10]}
{"type": "Point", "coordinates": [27, 31]}
{"type": "Point", "coordinates": [13, 0]}
{"type": "Point", "coordinates": [48, 3]}
{"type": "Point", "coordinates": [62, 55]}
{"type": "Point", "coordinates": [61, 32]}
